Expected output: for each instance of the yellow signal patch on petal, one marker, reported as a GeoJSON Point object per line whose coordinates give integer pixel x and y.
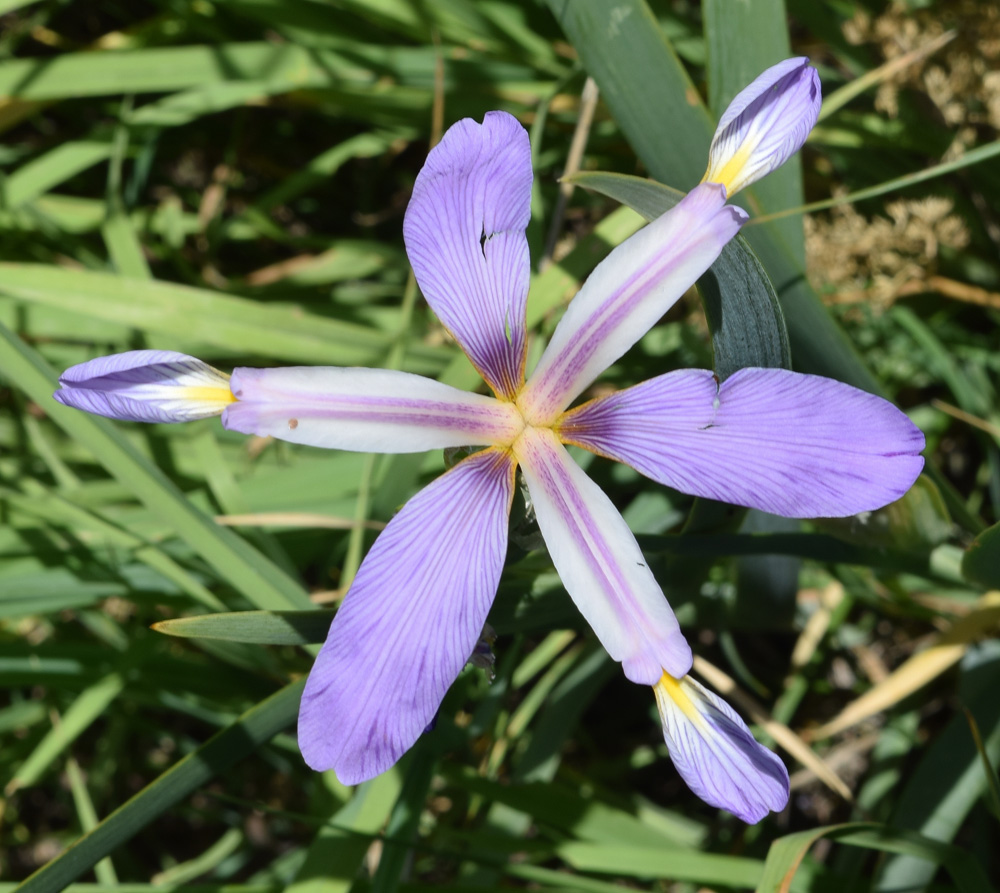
{"type": "Point", "coordinates": [671, 691]}
{"type": "Point", "coordinates": [214, 399]}
{"type": "Point", "coordinates": [732, 175]}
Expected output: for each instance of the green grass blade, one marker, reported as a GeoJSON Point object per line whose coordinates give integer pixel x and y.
{"type": "Point", "coordinates": [621, 45]}
{"type": "Point", "coordinates": [82, 712]}
{"type": "Point", "coordinates": [233, 324]}
{"type": "Point", "coordinates": [260, 581]}
{"type": "Point", "coordinates": [258, 627]}
{"type": "Point", "coordinates": [53, 168]}
{"type": "Point", "coordinates": [255, 727]}
{"type": "Point", "coordinates": [333, 858]}
{"type": "Point", "coordinates": [949, 779]}
{"type": "Point", "coordinates": [981, 562]}
{"type": "Point", "coordinates": [38, 502]}
{"type": "Point", "coordinates": [658, 862]}
{"type": "Point", "coordinates": [166, 69]}
{"type": "Point", "coordinates": [104, 870]}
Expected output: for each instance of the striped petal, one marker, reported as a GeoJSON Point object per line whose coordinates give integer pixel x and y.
{"type": "Point", "coordinates": [464, 234]}
{"type": "Point", "coordinates": [626, 294]}
{"type": "Point", "coordinates": [600, 563]}
{"type": "Point", "coordinates": [146, 386]}
{"type": "Point", "coordinates": [796, 445]}
{"type": "Point", "coordinates": [369, 410]}
{"type": "Point", "coordinates": [764, 125]}
{"type": "Point", "coordinates": [409, 623]}
{"type": "Point", "coordinates": [715, 753]}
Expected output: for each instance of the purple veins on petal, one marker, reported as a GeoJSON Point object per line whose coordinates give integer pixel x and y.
{"type": "Point", "coordinates": [715, 753]}
{"type": "Point", "coordinates": [600, 563]}
{"type": "Point", "coordinates": [626, 295]}
{"type": "Point", "coordinates": [796, 445]}
{"type": "Point", "coordinates": [146, 386]}
{"type": "Point", "coordinates": [464, 234]}
{"type": "Point", "coordinates": [764, 125]}
{"type": "Point", "coordinates": [371, 410]}
{"type": "Point", "coordinates": [410, 621]}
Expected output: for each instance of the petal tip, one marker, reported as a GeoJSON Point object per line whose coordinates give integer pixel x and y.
{"type": "Point", "coordinates": [765, 124]}
{"type": "Point", "coordinates": [716, 755]}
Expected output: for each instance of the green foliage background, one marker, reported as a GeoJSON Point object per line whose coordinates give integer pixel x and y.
{"type": "Point", "coordinates": [227, 178]}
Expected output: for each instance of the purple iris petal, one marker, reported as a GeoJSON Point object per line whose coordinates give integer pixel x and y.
{"type": "Point", "coordinates": [146, 386]}
{"type": "Point", "coordinates": [764, 125]}
{"type": "Point", "coordinates": [625, 296]}
{"type": "Point", "coordinates": [715, 753]}
{"type": "Point", "coordinates": [600, 563]}
{"type": "Point", "coordinates": [464, 234]}
{"type": "Point", "coordinates": [797, 445]}
{"type": "Point", "coordinates": [410, 621]}
{"type": "Point", "coordinates": [370, 410]}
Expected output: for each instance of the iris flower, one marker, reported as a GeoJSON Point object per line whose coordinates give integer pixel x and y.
{"type": "Point", "coordinates": [791, 444]}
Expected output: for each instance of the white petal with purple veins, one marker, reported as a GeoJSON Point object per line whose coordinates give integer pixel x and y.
{"type": "Point", "coordinates": [464, 234]}
{"type": "Point", "coordinates": [369, 410]}
{"type": "Point", "coordinates": [600, 563]}
{"type": "Point", "coordinates": [764, 125]}
{"type": "Point", "coordinates": [796, 445]}
{"type": "Point", "coordinates": [625, 296]}
{"type": "Point", "coordinates": [715, 753]}
{"type": "Point", "coordinates": [409, 623]}
{"type": "Point", "coordinates": [146, 386]}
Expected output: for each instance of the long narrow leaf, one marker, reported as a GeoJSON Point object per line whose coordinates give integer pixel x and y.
{"type": "Point", "coordinates": [238, 740]}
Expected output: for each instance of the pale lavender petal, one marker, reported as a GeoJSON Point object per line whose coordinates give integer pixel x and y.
{"type": "Point", "coordinates": [146, 386]}
{"type": "Point", "coordinates": [600, 563]}
{"type": "Point", "coordinates": [764, 125]}
{"type": "Point", "coordinates": [715, 753]}
{"type": "Point", "coordinates": [625, 296]}
{"type": "Point", "coordinates": [368, 410]}
{"type": "Point", "coordinates": [409, 623]}
{"type": "Point", "coordinates": [796, 445]}
{"type": "Point", "coordinates": [464, 234]}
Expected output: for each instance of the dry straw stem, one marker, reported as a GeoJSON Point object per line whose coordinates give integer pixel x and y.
{"type": "Point", "coordinates": [942, 285]}
{"type": "Point", "coordinates": [845, 755]}
{"type": "Point", "coordinates": [950, 288]}
{"type": "Point", "coordinates": [783, 735]}
{"type": "Point", "coordinates": [816, 626]}
{"type": "Point", "coordinates": [839, 98]}
{"type": "Point", "coordinates": [967, 417]}
{"type": "Point", "coordinates": [917, 671]}
{"type": "Point", "coordinates": [588, 103]}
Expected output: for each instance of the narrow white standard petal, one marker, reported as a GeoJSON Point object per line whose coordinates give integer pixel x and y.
{"type": "Point", "coordinates": [368, 410]}
{"type": "Point", "coordinates": [625, 296]}
{"type": "Point", "coordinates": [600, 563]}
{"type": "Point", "coordinates": [410, 622]}
{"type": "Point", "coordinates": [764, 125]}
{"type": "Point", "coordinates": [146, 386]}
{"type": "Point", "coordinates": [715, 753]}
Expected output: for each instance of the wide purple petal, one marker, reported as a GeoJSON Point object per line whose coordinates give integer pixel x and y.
{"type": "Point", "coordinates": [600, 563]}
{"type": "Point", "coordinates": [764, 125]}
{"type": "Point", "coordinates": [369, 410]}
{"type": "Point", "coordinates": [410, 621]}
{"type": "Point", "coordinates": [797, 445]}
{"type": "Point", "coordinates": [626, 295]}
{"type": "Point", "coordinates": [464, 234]}
{"type": "Point", "coordinates": [146, 386]}
{"type": "Point", "coordinates": [715, 754]}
